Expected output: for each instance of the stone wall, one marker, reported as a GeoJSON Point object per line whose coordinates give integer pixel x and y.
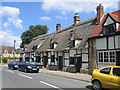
{"type": "Point", "coordinates": [52, 67]}
{"type": "Point", "coordinates": [92, 55]}
{"type": "Point", "coordinates": [70, 69]}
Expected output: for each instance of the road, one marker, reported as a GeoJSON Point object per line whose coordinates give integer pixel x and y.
{"type": "Point", "coordinates": [17, 79]}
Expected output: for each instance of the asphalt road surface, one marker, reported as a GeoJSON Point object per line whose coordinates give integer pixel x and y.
{"type": "Point", "coordinates": [17, 80]}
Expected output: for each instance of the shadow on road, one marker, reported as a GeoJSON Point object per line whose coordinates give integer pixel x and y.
{"type": "Point", "coordinates": [89, 87]}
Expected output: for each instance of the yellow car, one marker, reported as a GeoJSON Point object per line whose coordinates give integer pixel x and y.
{"type": "Point", "coordinates": [106, 77]}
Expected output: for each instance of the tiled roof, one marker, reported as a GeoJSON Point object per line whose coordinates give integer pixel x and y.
{"type": "Point", "coordinates": [8, 48]}
{"type": "Point", "coordinates": [98, 28]}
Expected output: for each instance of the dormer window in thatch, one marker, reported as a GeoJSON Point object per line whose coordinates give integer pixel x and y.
{"type": "Point", "coordinates": [72, 43]}
{"type": "Point", "coordinates": [53, 45]}
{"type": "Point", "coordinates": [34, 47]}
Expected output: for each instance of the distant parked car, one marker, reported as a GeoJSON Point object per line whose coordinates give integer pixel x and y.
{"type": "Point", "coordinates": [13, 65]}
{"type": "Point", "coordinates": [28, 67]}
{"type": "Point", "coordinates": [106, 77]}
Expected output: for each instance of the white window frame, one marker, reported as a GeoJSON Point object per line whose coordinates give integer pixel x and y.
{"type": "Point", "coordinates": [108, 57]}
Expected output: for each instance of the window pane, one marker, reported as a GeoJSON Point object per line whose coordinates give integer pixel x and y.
{"type": "Point", "coordinates": [105, 56]}
{"type": "Point", "coordinates": [72, 60]}
{"type": "Point", "coordinates": [116, 72]}
{"type": "Point", "coordinates": [105, 71]}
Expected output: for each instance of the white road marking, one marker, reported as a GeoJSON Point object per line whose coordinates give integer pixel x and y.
{"type": "Point", "coordinates": [1, 69]}
{"type": "Point", "coordinates": [49, 84]}
{"type": "Point", "coordinates": [10, 71]}
{"type": "Point", "coordinates": [25, 76]}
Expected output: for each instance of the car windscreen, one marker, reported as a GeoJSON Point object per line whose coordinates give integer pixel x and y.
{"type": "Point", "coordinates": [116, 72]}
{"type": "Point", "coordinates": [14, 62]}
{"type": "Point", "coordinates": [30, 63]}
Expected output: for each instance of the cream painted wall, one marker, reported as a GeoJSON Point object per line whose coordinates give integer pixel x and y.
{"type": "Point", "coordinates": [84, 65]}
{"type": "Point", "coordinates": [60, 54]}
{"type": "Point", "coordinates": [49, 54]}
{"type": "Point", "coordinates": [72, 53]}
{"type": "Point", "coordinates": [101, 43]}
{"type": "Point", "coordinates": [85, 50]}
{"type": "Point", "coordinates": [66, 62]}
{"type": "Point", "coordinates": [117, 41]}
{"type": "Point", "coordinates": [111, 42]}
{"type": "Point", "coordinates": [85, 57]}
{"type": "Point", "coordinates": [108, 21]}
{"type": "Point", "coordinates": [66, 55]}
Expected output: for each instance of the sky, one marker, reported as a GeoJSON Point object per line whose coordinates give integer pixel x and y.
{"type": "Point", "coordinates": [17, 15]}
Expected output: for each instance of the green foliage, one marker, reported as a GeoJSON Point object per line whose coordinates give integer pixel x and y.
{"type": "Point", "coordinates": [33, 31]}
{"type": "Point", "coordinates": [4, 59]}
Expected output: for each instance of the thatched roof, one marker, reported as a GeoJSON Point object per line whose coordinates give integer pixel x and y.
{"type": "Point", "coordinates": [82, 31]}
{"type": "Point", "coordinates": [36, 42]}
{"type": "Point", "coordinates": [62, 37]}
{"type": "Point", "coordinates": [46, 44]}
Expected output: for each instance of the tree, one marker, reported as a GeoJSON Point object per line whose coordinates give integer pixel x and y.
{"type": "Point", "coordinates": [33, 31]}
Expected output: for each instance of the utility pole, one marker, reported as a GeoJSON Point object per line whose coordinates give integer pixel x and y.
{"type": "Point", "coordinates": [1, 58]}
{"type": "Point", "coordinates": [14, 50]}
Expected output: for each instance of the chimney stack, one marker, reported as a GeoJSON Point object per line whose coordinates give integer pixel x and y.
{"type": "Point", "coordinates": [100, 13]}
{"type": "Point", "coordinates": [76, 19]}
{"type": "Point", "coordinates": [58, 27]}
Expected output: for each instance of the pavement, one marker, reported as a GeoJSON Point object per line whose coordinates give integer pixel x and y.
{"type": "Point", "coordinates": [76, 76]}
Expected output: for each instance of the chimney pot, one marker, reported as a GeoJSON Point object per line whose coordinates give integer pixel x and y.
{"type": "Point", "coordinates": [58, 27]}
{"type": "Point", "coordinates": [76, 19]}
{"type": "Point", "coordinates": [100, 12]}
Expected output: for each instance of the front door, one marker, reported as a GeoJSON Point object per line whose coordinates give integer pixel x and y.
{"type": "Point", "coordinates": [60, 59]}
{"type": "Point", "coordinates": [78, 64]}
{"type": "Point", "coordinates": [118, 58]}
{"type": "Point", "coordinates": [45, 61]}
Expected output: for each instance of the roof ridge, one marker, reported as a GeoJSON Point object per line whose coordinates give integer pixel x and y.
{"type": "Point", "coordinates": [115, 11]}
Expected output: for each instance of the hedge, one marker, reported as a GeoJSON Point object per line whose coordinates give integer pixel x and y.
{"type": "Point", "coordinates": [4, 59]}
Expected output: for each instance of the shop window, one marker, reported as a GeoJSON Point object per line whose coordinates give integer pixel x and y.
{"type": "Point", "coordinates": [106, 56]}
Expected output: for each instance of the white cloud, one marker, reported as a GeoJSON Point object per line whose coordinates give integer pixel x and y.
{"type": "Point", "coordinates": [61, 17]}
{"type": "Point", "coordinates": [45, 18]}
{"type": "Point", "coordinates": [7, 38]}
{"type": "Point", "coordinates": [12, 15]}
{"type": "Point", "coordinates": [6, 24]}
{"type": "Point", "coordinates": [78, 5]}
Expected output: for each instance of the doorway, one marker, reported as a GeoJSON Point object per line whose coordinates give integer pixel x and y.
{"type": "Point", "coordinates": [45, 61]}
{"type": "Point", "coordinates": [60, 59]}
{"type": "Point", "coordinates": [78, 63]}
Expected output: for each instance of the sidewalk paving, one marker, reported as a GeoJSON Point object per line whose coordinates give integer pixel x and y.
{"type": "Point", "coordinates": [76, 76]}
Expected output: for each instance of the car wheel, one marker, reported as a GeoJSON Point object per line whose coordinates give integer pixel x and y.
{"type": "Point", "coordinates": [37, 71]}
{"type": "Point", "coordinates": [19, 69]}
{"type": "Point", "coordinates": [11, 68]}
{"type": "Point", "coordinates": [8, 67]}
{"type": "Point", "coordinates": [97, 85]}
{"type": "Point", "coordinates": [26, 70]}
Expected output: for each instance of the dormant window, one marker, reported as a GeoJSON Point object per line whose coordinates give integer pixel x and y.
{"type": "Point", "coordinates": [106, 56]}
{"type": "Point", "coordinates": [109, 29]}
